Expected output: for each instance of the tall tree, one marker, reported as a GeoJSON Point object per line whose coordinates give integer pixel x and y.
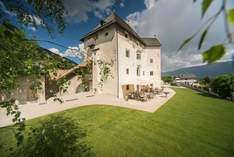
{"type": "Point", "coordinates": [20, 57]}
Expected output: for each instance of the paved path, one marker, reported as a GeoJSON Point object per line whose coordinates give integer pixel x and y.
{"type": "Point", "coordinates": [30, 111]}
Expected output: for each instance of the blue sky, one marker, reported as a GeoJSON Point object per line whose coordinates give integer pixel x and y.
{"type": "Point", "coordinates": [75, 30]}
{"type": "Point", "coordinates": [171, 21]}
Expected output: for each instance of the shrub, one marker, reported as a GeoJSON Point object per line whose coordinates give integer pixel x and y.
{"type": "Point", "coordinates": [167, 79]}
{"type": "Point", "coordinates": [223, 85]}
{"type": "Point", "coordinates": [55, 137]}
{"type": "Point", "coordinates": [206, 80]}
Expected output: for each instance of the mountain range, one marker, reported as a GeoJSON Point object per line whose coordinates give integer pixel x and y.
{"type": "Point", "coordinates": [202, 71]}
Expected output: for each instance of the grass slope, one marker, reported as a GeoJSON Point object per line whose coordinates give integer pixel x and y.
{"type": "Point", "coordinates": [190, 124]}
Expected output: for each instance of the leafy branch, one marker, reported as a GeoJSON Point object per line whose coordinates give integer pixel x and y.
{"type": "Point", "coordinates": [216, 52]}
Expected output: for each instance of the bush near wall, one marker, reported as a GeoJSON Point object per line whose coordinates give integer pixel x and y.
{"type": "Point", "coordinates": [223, 85]}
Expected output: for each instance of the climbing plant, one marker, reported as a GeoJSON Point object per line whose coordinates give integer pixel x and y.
{"type": "Point", "coordinates": [105, 71]}
{"type": "Point", "coordinates": [84, 74]}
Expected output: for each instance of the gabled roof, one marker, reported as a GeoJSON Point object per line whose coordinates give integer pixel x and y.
{"type": "Point", "coordinates": [63, 73]}
{"type": "Point", "coordinates": [151, 41]}
{"type": "Point", "coordinates": [115, 19]}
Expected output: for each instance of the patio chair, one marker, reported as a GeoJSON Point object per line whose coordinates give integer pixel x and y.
{"type": "Point", "coordinates": [142, 96]}
{"type": "Point", "coordinates": [151, 95]}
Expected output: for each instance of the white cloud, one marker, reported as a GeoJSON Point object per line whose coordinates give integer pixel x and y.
{"type": "Point", "coordinates": [38, 22]}
{"type": "Point", "coordinates": [32, 28]}
{"type": "Point", "coordinates": [56, 51]}
{"type": "Point", "coordinates": [78, 10]}
{"type": "Point", "coordinates": [149, 3]}
{"type": "Point", "coordinates": [3, 8]}
{"type": "Point", "coordinates": [72, 51]}
{"type": "Point", "coordinates": [133, 20]}
{"type": "Point", "coordinates": [173, 22]}
{"type": "Point", "coordinates": [121, 4]}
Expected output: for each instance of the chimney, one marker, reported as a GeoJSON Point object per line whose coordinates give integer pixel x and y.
{"type": "Point", "coordinates": [102, 22]}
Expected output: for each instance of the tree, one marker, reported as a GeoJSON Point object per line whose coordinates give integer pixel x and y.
{"type": "Point", "coordinates": [167, 79]}
{"type": "Point", "coordinates": [45, 13]}
{"type": "Point", "coordinates": [22, 57]}
{"type": "Point", "coordinates": [223, 85]}
{"type": "Point", "coordinates": [216, 52]}
{"type": "Point", "coordinates": [205, 81]}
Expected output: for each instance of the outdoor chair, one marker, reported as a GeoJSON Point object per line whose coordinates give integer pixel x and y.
{"type": "Point", "coordinates": [142, 96]}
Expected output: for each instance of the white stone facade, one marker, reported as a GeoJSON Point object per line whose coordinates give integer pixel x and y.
{"type": "Point", "coordinates": [111, 44]}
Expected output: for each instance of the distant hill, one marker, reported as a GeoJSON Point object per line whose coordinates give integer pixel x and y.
{"type": "Point", "coordinates": [205, 70]}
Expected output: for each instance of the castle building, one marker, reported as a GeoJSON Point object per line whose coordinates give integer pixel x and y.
{"type": "Point", "coordinates": [136, 60]}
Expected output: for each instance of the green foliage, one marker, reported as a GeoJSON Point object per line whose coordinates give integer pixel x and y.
{"type": "Point", "coordinates": [223, 85]}
{"type": "Point", "coordinates": [202, 38]}
{"type": "Point", "coordinates": [105, 71]}
{"type": "Point", "coordinates": [205, 6]}
{"type": "Point", "coordinates": [84, 75]}
{"type": "Point", "coordinates": [214, 53]}
{"type": "Point", "coordinates": [21, 57]}
{"type": "Point", "coordinates": [167, 79]}
{"type": "Point", "coordinates": [50, 13]}
{"type": "Point", "coordinates": [205, 81]}
{"type": "Point", "coordinates": [56, 136]}
{"type": "Point", "coordinates": [231, 16]}
{"type": "Point", "coordinates": [185, 42]}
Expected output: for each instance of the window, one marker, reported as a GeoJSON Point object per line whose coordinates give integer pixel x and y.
{"type": "Point", "coordinates": [127, 53]}
{"type": "Point", "coordinates": [106, 34]}
{"type": "Point", "coordinates": [138, 70]}
{"type": "Point", "coordinates": [151, 73]}
{"type": "Point", "coordinates": [143, 73]}
{"type": "Point", "coordinates": [127, 87]}
{"type": "Point", "coordinates": [138, 56]}
{"type": "Point", "coordinates": [151, 85]}
{"type": "Point", "coordinates": [127, 71]}
{"type": "Point", "coordinates": [126, 35]}
{"type": "Point", "coordinates": [151, 60]}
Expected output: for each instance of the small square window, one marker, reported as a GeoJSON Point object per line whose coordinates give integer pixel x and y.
{"type": "Point", "coordinates": [127, 53]}
{"type": "Point", "coordinates": [151, 60]}
{"type": "Point", "coordinates": [127, 71]}
{"type": "Point", "coordinates": [138, 56]}
{"type": "Point", "coordinates": [151, 73]}
{"type": "Point", "coordinates": [106, 34]}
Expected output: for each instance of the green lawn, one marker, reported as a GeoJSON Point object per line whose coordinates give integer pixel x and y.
{"type": "Point", "coordinates": [190, 124]}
